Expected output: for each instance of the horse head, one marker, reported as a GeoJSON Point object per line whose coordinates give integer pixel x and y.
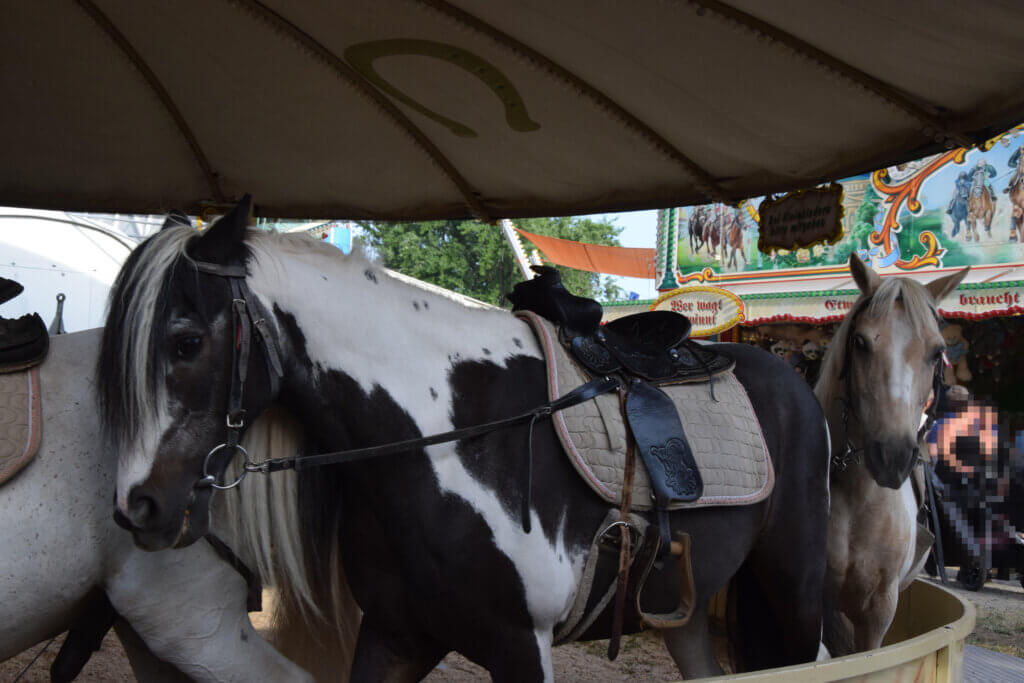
{"type": "Point", "coordinates": [891, 352]}
{"type": "Point", "coordinates": [169, 376]}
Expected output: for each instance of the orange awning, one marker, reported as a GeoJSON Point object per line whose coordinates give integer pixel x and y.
{"type": "Point", "coordinates": [596, 258]}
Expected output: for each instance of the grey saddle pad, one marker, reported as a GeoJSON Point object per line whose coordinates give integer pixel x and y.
{"type": "Point", "coordinates": [725, 436]}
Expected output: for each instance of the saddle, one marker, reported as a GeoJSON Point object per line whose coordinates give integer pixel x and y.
{"type": "Point", "coordinates": [645, 351]}
{"type": "Point", "coordinates": [24, 341]}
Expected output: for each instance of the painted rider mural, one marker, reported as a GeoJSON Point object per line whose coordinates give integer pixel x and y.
{"type": "Point", "coordinates": [1012, 163]}
{"type": "Point", "coordinates": [960, 193]}
{"type": "Point", "coordinates": [980, 177]}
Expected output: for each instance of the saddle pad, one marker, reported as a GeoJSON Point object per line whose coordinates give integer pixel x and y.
{"type": "Point", "coordinates": [21, 421]}
{"type": "Point", "coordinates": [725, 436]}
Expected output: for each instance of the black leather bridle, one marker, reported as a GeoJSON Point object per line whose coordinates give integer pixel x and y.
{"type": "Point", "coordinates": [247, 317]}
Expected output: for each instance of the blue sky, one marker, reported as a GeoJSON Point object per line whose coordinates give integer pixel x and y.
{"type": "Point", "coordinates": [639, 229]}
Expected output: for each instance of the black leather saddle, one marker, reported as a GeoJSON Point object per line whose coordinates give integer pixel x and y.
{"type": "Point", "coordinates": [645, 350]}
{"type": "Point", "coordinates": [24, 341]}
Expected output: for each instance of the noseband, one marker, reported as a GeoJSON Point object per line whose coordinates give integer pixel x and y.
{"type": "Point", "coordinates": [247, 315]}
{"type": "Point", "coordinates": [850, 454]}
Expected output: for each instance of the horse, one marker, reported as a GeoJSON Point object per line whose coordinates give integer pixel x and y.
{"type": "Point", "coordinates": [1016, 191]}
{"type": "Point", "coordinates": [431, 541]}
{"type": "Point", "coordinates": [876, 379]}
{"type": "Point", "coordinates": [712, 234]}
{"type": "Point", "coordinates": [695, 227]}
{"type": "Point", "coordinates": [958, 208]}
{"type": "Point", "coordinates": [67, 566]}
{"type": "Point", "coordinates": [733, 231]}
{"type": "Point", "coordinates": [980, 207]}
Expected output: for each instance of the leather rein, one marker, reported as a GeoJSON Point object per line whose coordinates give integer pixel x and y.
{"type": "Point", "coordinates": [250, 323]}
{"type": "Point", "coordinates": [851, 454]}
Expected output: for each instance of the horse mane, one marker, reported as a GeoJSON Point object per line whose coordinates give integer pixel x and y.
{"type": "Point", "coordinates": [138, 304]}
{"type": "Point", "coordinates": [921, 313]}
{"type": "Point", "coordinates": [264, 518]}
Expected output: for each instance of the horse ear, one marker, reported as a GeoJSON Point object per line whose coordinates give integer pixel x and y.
{"type": "Point", "coordinates": [226, 233]}
{"type": "Point", "coordinates": [942, 286]}
{"type": "Point", "coordinates": [176, 219]}
{"type": "Point", "coordinates": [867, 280]}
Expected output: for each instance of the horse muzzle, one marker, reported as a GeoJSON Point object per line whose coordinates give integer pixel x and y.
{"type": "Point", "coordinates": [890, 462]}
{"type": "Point", "coordinates": [157, 527]}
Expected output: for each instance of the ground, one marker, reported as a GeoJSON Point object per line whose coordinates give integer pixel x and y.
{"type": "Point", "coordinates": [1000, 627]}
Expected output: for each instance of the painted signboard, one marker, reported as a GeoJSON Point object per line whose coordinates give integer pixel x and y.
{"type": "Point", "coordinates": [961, 207]}
{"type": "Point", "coordinates": [976, 301]}
{"type": "Point", "coordinates": [801, 219]}
{"type": "Point", "coordinates": [711, 310]}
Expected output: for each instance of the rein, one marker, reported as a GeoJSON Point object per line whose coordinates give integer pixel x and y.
{"type": "Point", "coordinates": [248, 316]}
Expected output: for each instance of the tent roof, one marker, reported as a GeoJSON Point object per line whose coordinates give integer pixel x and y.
{"type": "Point", "coordinates": [416, 109]}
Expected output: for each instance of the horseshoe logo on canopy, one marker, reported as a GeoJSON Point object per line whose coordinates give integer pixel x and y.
{"type": "Point", "coordinates": [361, 57]}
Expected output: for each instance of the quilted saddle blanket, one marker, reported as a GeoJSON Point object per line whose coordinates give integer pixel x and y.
{"type": "Point", "coordinates": [21, 420]}
{"type": "Point", "coordinates": [725, 435]}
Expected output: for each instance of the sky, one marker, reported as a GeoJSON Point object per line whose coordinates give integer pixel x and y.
{"type": "Point", "coordinates": [639, 229]}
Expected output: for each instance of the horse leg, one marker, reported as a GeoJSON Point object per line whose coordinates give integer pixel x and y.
{"type": "Point", "coordinates": [392, 657]}
{"type": "Point", "coordinates": [188, 607]}
{"type": "Point", "coordinates": [872, 622]}
{"type": "Point", "coordinates": [691, 646]}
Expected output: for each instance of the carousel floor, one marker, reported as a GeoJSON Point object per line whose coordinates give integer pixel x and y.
{"type": "Point", "coordinates": [987, 666]}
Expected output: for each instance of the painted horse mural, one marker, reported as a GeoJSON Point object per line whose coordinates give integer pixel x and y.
{"type": "Point", "coordinates": [981, 206]}
{"type": "Point", "coordinates": [432, 540]}
{"type": "Point", "coordinates": [695, 228]}
{"type": "Point", "coordinates": [877, 379]}
{"type": "Point", "coordinates": [733, 231]}
{"type": "Point", "coordinates": [1015, 188]}
{"type": "Point", "coordinates": [958, 207]}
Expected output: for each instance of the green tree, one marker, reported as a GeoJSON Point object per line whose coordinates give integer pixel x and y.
{"type": "Point", "coordinates": [473, 258]}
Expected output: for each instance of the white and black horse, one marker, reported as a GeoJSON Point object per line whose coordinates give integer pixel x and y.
{"type": "Point", "coordinates": [431, 540]}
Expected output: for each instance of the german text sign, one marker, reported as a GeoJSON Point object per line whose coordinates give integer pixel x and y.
{"type": "Point", "coordinates": [710, 309]}
{"type": "Point", "coordinates": [801, 219]}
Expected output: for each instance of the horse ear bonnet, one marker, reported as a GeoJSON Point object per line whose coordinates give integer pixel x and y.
{"type": "Point", "coordinates": [546, 296]}
{"type": "Point", "coordinates": [223, 240]}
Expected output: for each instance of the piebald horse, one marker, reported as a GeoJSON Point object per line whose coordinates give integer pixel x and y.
{"type": "Point", "coordinates": [432, 539]}
{"type": "Point", "coordinates": [178, 614]}
{"type": "Point", "coordinates": [876, 381]}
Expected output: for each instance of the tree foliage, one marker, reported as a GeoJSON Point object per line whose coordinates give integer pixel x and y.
{"type": "Point", "coordinates": [473, 258]}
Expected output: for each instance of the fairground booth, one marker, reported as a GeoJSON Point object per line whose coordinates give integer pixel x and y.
{"type": "Point", "coordinates": [919, 220]}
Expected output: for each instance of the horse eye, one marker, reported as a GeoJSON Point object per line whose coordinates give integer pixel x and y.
{"type": "Point", "coordinates": [188, 347]}
{"type": "Point", "coordinates": [860, 342]}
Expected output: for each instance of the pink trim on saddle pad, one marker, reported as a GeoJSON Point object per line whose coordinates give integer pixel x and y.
{"type": "Point", "coordinates": [21, 421]}
{"type": "Point", "coordinates": [726, 436]}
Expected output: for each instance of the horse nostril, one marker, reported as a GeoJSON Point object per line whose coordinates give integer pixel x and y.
{"type": "Point", "coordinates": [142, 508]}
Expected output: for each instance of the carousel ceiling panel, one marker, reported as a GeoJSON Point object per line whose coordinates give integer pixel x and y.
{"type": "Point", "coordinates": [425, 109]}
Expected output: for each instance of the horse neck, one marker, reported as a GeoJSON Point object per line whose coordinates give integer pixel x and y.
{"type": "Point", "coordinates": [374, 343]}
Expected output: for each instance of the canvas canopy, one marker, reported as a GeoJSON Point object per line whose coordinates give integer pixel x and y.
{"type": "Point", "coordinates": [415, 109]}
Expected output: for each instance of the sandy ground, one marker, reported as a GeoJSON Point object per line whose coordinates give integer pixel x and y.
{"type": "Point", "coordinates": [1000, 627]}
